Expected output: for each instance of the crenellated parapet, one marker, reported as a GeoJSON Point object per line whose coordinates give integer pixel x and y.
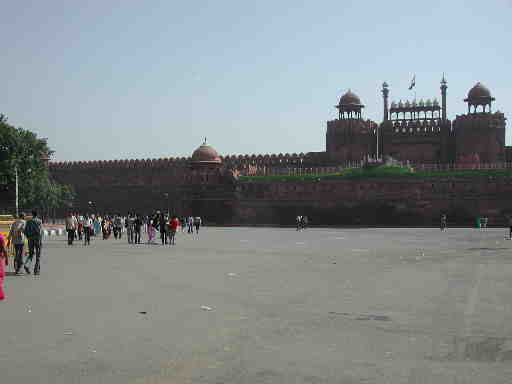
{"type": "Point", "coordinates": [231, 161]}
{"type": "Point", "coordinates": [126, 163]}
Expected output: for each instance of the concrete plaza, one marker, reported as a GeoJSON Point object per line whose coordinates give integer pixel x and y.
{"type": "Point", "coordinates": [263, 305]}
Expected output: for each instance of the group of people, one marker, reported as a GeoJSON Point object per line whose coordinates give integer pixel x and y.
{"type": "Point", "coordinates": [134, 225]}
{"type": "Point", "coordinates": [25, 236]}
{"type": "Point", "coordinates": [481, 223]}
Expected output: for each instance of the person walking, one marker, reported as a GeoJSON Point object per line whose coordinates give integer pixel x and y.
{"type": "Point", "coordinates": [162, 224]}
{"type": "Point", "coordinates": [117, 226]}
{"type": "Point", "coordinates": [80, 226]}
{"type": "Point", "coordinates": [129, 227]}
{"type": "Point", "coordinates": [4, 261]}
{"type": "Point", "coordinates": [173, 227]}
{"type": "Point", "coordinates": [150, 230]}
{"type": "Point", "coordinates": [197, 223]}
{"type": "Point", "coordinates": [71, 225]}
{"type": "Point", "coordinates": [34, 234]}
{"type": "Point", "coordinates": [190, 224]}
{"type": "Point", "coordinates": [88, 229]}
{"type": "Point", "coordinates": [17, 238]}
{"type": "Point", "coordinates": [298, 220]}
{"type": "Point", "coordinates": [137, 224]}
{"type": "Point", "coordinates": [183, 223]}
{"type": "Point", "coordinates": [443, 222]}
{"type": "Point", "coordinates": [97, 225]}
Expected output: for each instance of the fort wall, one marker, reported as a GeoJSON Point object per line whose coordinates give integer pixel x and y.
{"type": "Point", "coordinates": [396, 201]}
{"type": "Point", "coordinates": [220, 198]}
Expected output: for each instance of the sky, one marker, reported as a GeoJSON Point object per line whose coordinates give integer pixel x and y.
{"type": "Point", "coordinates": [109, 79]}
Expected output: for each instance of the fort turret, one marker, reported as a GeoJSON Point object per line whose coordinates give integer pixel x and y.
{"type": "Point", "coordinates": [480, 134]}
{"type": "Point", "coordinates": [349, 138]}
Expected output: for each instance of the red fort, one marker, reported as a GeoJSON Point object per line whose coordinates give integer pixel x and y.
{"type": "Point", "coordinates": [416, 132]}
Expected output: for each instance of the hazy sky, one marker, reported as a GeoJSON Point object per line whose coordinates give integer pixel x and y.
{"type": "Point", "coordinates": [148, 79]}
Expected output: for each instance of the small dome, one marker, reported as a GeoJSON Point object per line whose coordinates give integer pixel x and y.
{"type": "Point", "coordinates": [428, 103]}
{"type": "Point", "coordinates": [479, 94]}
{"type": "Point", "coordinates": [421, 103]}
{"type": "Point", "coordinates": [350, 98]}
{"type": "Point", "coordinates": [206, 155]}
{"type": "Point", "coordinates": [393, 104]}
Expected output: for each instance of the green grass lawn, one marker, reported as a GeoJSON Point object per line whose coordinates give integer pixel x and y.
{"type": "Point", "coordinates": [383, 171]}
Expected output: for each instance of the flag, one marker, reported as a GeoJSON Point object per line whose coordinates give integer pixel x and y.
{"type": "Point", "coordinates": [413, 82]}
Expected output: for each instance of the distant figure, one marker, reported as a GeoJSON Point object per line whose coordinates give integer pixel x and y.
{"type": "Point", "coordinates": [304, 222]}
{"type": "Point", "coordinates": [443, 222]}
{"type": "Point", "coordinates": [190, 224]}
{"type": "Point", "coordinates": [137, 226]}
{"type": "Point", "coordinates": [183, 223]}
{"type": "Point", "coordinates": [88, 229]}
{"type": "Point", "coordinates": [129, 227]}
{"type": "Point", "coordinates": [80, 226]}
{"type": "Point", "coordinates": [162, 223]}
{"type": "Point", "coordinates": [298, 222]}
{"type": "Point", "coordinates": [151, 225]}
{"type": "Point", "coordinates": [71, 225]}
{"type": "Point", "coordinates": [510, 227]}
{"type": "Point", "coordinates": [485, 220]}
{"type": "Point", "coordinates": [3, 262]}
{"type": "Point", "coordinates": [173, 227]}
{"type": "Point", "coordinates": [197, 223]}
{"type": "Point", "coordinates": [97, 225]}
{"type": "Point", "coordinates": [118, 226]}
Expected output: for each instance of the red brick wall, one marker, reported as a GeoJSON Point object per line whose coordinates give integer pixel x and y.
{"type": "Point", "coordinates": [219, 199]}
{"type": "Point", "coordinates": [377, 202]}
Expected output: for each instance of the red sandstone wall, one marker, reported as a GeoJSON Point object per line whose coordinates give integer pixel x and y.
{"type": "Point", "coordinates": [378, 202]}
{"type": "Point", "coordinates": [215, 196]}
{"type": "Point", "coordinates": [482, 134]}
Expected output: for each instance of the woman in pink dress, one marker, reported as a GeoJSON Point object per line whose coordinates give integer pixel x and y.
{"type": "Point", "coordinates": [3, 262]}
{"type": "Point", "coordinates": [151, 230]}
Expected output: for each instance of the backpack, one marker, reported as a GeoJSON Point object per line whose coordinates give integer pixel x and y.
{"type": "Point", "coordinates": [32, 229]}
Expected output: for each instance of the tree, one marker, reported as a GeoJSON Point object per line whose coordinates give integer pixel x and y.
{"type": "Point", "coordinates": [22, 149]}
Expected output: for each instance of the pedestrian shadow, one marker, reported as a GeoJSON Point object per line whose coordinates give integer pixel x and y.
{"type": "Point", "coordinates": [10, 273]}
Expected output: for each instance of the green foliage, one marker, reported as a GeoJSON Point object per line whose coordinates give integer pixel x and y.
{"type": "Point", "coordinates": [382, 171]}
{"type": "Point", "coordinates": [377, 171]}
{"type": "Point", "coordinates": [22, 149]}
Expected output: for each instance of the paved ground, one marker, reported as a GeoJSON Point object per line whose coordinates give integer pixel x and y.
{"type": "Point", "coordinates": [321, 306]}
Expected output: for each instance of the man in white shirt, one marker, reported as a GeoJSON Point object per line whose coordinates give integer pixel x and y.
{"type": "Point", "coordinates": [71, 226]}
{"type": "Point", "coordinates": [87, 230]}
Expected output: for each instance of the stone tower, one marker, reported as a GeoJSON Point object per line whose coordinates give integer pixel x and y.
{"type": "Point", "coordinates": [415, 131]}
{"type": "Point", "coordinates": [480, 134]}
{"type": "Point", "coordinates": [349, 138]}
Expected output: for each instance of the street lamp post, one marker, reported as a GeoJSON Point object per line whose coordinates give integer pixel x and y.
{"type": "Point", "coordinates": [17, 189]}
{"type": "Point", "coordinates": [167, 197]}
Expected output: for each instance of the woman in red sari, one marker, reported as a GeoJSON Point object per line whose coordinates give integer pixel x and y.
{"type": "Point", "coordinates": [3, 263]}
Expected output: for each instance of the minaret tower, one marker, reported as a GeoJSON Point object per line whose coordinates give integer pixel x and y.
{"type": "Point", "coordinates": [385, 93]}
{"type": "Point", "coordinates": [443, 96]}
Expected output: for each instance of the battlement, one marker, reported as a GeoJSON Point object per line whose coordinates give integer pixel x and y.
{"type": "Point", "coordinates": [482, 116]}
{"type": "Point", "coordinates": [127, 163]}
{"type": "Point", "coordinates": [233, 161]}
